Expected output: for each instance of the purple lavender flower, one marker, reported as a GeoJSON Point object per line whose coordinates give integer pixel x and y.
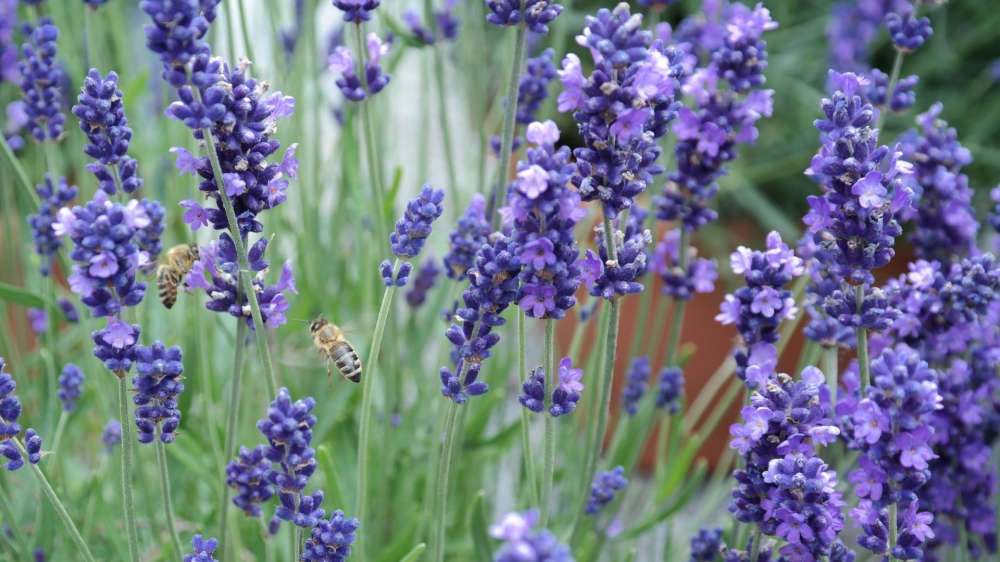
{"type": "Point", "coordinates": [40, 80]}
{"type": "Point", "coordinates": [706, 545]}
{"type": "Point", "coordinates": [331, 540]}
{"type": "Point", "coordinates": [447, 22]}
{"type": "Point", "coordinates": [493, 286]}
{"type": "Point", "coordinates": [176, 34]}
{"type": "Point", "coordinates": [536, 14]}
{"type": "Point", "coordinates": [111, 436]}
{"type": "Point", "coordinates": [115, 345]}
{"type": "Point", "coordinates": [203, 550]}
{"type": "Point", "coordinates": [157, 386]}
{"type": "Point", "coordinates": [699, 276]}
{"type": "Point", "coordinates": [246, 475]}
{"type": "Point", "coordinates": [522, 542]}
{"type": "Point", "coordinates": [8, 49]}
{"type": "Point", "coordinates": [613, 280]}
{"type": "Point", "coordinates": [426, 276]}
{"type": "Point", "coordinates": [533, 87]}
{"type": "Point", "coordinates": [47, 242]}
{"type": "Point", "coordinates": [103, 235]}
{"type": "Point", "coordinates": [102, 119]}
{"type": "Point", "coordinates": [14, 459]}
{"type": "Point", "coordinates": [671, 389]}
{"type": "Point", "coordinates": [853, 27]}
{"type": "Point", "coordinates": [288, 430]}
{"type": "Point", "coordinates": [413, 228]}
{"type": "Point", "coordinates": [564, 396]}
{"type": "Point", "coordinates": [806, 504]}
{"type": "Point", "coordinates": [68, 309]}
{"type": "Point", "coordinates": [721, 119]}
{"type": "Point", "coordinates": [33, 444]}
{"type": "Point", "coordinates": [907, 32]}
{"type": "Point", "coordinates": [10, 406]}
{"type": "Point", "coordinates": [39, 320]}
{"type": "Point", "coordinates": [635, 384]}
{"type": "Point", "coordinates": [357, 11]}
{"type": "Point", "coordinates": [342, 62]}
{"type": "Point", "coordinates": [621, 109]}
{"type": "Point", "coordinates": [70, 382]}
{"type": "Point", "coordinates": [944, 216]}
{"type": "Point", "coordinates": [472, 232]}
{"type": "Point", "coordinates": [420, 33]}
{"type": "Point", "coordinates": [605, 487]}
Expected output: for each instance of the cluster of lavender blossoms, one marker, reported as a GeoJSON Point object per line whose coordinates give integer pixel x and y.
{"type": "Point", "coordinates": [532, 90]}
{"type": "Point", "coordinates": [410, 235]}
{"type": "Point", "coordinates": [605, 487]}
{"type": "Point", "coordinates": [465, 240]}
{"type": "Point", "coordinates": [522, 542]}
{"type": "Point", "coordinates": [758, 308]}
{"type": "Point", "coordinates": [342, 63]}
{"type": "Point", "coordinates": [40, 79]}
{"type": "Point", "coordinates": [10, 411]}
{"type": "Point", "coordinates": [47, 243]}
{"type": "Point", "coordinates": [564, 397]}
{"type": "Point", "coordinates": [544, 213]}
{"type": "Point", "coordinates": [612, 279]}
{"type": "Point", "coordinates": [622, 108]}
{"type": "Point", "coordinates": [357, 11]}
{"type": "Point", "coordinates": [156, 389]}
{"type": "Point", "coordinates": [444, 19]}
{"type": "Point", "coordinates": [682, 278]}
{"type": "Point", "coordinates": [535, 14]}
{"type": "Point", "coordinates": [785, 488]}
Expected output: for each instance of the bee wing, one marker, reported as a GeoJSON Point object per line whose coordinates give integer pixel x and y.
{"type": "Point", "coordinates": [299, 352]}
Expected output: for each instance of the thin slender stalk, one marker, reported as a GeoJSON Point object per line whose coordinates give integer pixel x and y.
{"type": "Point", "coordinates": [368, 134]}
{"type": "Point", "coordinates": [639, 328]}
{"type": "Point", "coordinates": [366, 403]}
{"type": "Point", "coordinates": [244, 262]}
{"type": "Point", "coordinates": [550, 426]}
{"type": "Point", "coordinates": [49, 338]}
{"type": "Point", "coordinates": [862, 337]}
{"type": "Point", "coordinates": [444, 473]}
{"type": "Point", "coordinates": [60, 427]}
{"type": "Point", "coordinates": [662, 439]}
{"type": "Point", "coordinates": [831, 370]}
{"type": "Point", "coordinates": [893, 530]}
{"type": "Point", "coordinates": [93, 60]}
{"type": "Point", "coordinates": [232, 421]}
{"type": "Point", "coordinates": [708, 393]}
{"type": "Point", "coordinates": [20, 542]}
{"type": "Point", "coordinates": [499, 192]}
{"type": "Point", "coordinates": [19, 173]}
{"type": "Point", "coordinates": [755, 548]}
{"type": "Point", "coordinates": [130, 532]}
{"type": "Point", "coordinates": [677, 320]}
{"type": "Point", "coordinates": [247, 42]}
{"type": "Point", "coordinates": [168, 504]}
{"type": "Point", "coordinates": [298, 543]}
{"type": "Point", "coordinates": [74, 534]}
{"type": "Point", "coordinates": [593, 400]}
{"type": "Point", "coordinates": [445, 129]}
{"type": "Point", "coordinates": [529, 456]}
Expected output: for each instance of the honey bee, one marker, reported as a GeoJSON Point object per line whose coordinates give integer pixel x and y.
{"type": "Point", "coordinates": [331, 344]}
{"type": "Point", "coordinates": [170, 275]}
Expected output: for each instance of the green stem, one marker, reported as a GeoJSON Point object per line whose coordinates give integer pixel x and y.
{"type": "Point", "coordinates": [49, 351]}
{"type": "Point", "coordinates": [662, 439]}
{"type": "Point", "coordinates": [123, 415]}
{"type": "Point", "coordinates": [832, 370]}
{"type": "Point", "coordinates": [60, 509]}
{"type": "Point", "coordinates": [232, 420]}
{"type": "Point", "coordinates": [168, 505]}
{"type": "Point", "coordinates": [20, 541]}
{"type": "Point", "coordinates": [366, 403]}
{"type": "Point", "coordinates": [862, 337]}
{"type": "Point", "coordinates": [550, 425]}
{"type": "Point", "coordinates": [19, 173]}
{"type": "Point", "coordinates": [755, 548]}
{"type": "Point", "coordinates": [708, 393]}
{"type": "Point", "coordinates": [244, 262]}
{"type": "Point", "coordinates": [247, 42]}
{"type": "Point", "coordinates": [499, 191]}
{"type": "Point", "coordinates": [529, 457]}
{"type": "Point", "coordinates": [60, 427]}
{"type": "Point", "coordinates": [639, 328]}
{"type": "Point", "coordinates": [368, 134]}
{"type": "Point", "coordinates": [677, 320]}
{"type": "Point", "coordinates": [445, 129]}
{"type": "Point", "coordinates": [299, 542]}
{"type": "Point", "coordinates": [93, 60]}
{"type": "Point", "coordinates": [444, 473]}
{"type": "Point", "coordinates": [897, 65]}
{"type": "Point", "coordinates": [593, 400]}
{"type": "Point", "coordinates": [893, 530]}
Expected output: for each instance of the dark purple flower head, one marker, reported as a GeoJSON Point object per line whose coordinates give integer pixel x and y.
{"type": "Point", "coordinates": [102, 119]}
{"type": "Point", "coordinates": [565, 395]}
{"type": "Point", "coordinates": [621, 108]}
{"type": "Point", "coordinates": [331, 540]}
{"type": "Point", "coordinates": [47, 241]}
{"type": "Point", "coordinates": [605, 487]}
{"type": "Point", "coordinates": [417, 28]}
{"type": "Point", "coordinates": [743, 56]}
{"type": "Point", "coordinates": [288, 430]}
{"type": "Point", "coordinates": [536, 14]}
{"type": "Point", "coordinates": [68, 309]}
{"type": "Point", "coordinates": [426, 276]}
{"type": "Point", "coordinates": [305, 514]}
{"type": "Point", "coordinates": [635, 384]}
{"type": "Point", "coordinates": [246, 475]}
{"type": "Point", "coordinates": [115, 345]}
{"type": "Point", "coordinates": [14, 459]}
{"type": "Point", "coordinates": [706, 545]}
{"type": "Point", "coordinates": [157, 386]}
{"type": "Point", "coordinates": [472, 232]}
{"type": "Point", "coordinates": [8, 49]}
{"type": "Point", "coordinates": [40, 81]}
{"type": "Point", "coordinates": [33, 444]}
{"type": "Point", "coordinates": [177, 33]}
{"type": "Point", "coordinates": [805, 504]}
{"type": "Point", "coordinates": [341, 62]}
{"type": "Point", "coordinates": [908, 33]}
{"type": "Point", "coordinates": [945, 220]}
{"type": "Point", "coordinates": [111, 436]}
{"type": "Point", "coordinates": [10, 406]}
{"type": "Point", "coordinates": [522, 542]}
{"type": "Point", "coordinates": [614, 279]}
{"type": "Point", "coordinates": [70, 382]}
{"type": "Point", "coordinates": [203, 550]}
{"type": "Point", "coordinates": [533, 88]}
{"type": "Point", "coordinates": [493, 286]}
{"type": "Point", "coordinates": [671, 389]}
{"type": "Point", "coordinates": [447, 22]}
{"type": "Point", "coordinates": [414, 227]}
{"type": "Point", "coordinates": [852, 27]}
{"type": "Point", "coordinates": [357, 11]}
{"type": "Point", "coordinates": [682, 283]}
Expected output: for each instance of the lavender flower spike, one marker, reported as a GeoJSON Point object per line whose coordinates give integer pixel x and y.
{"type": "Point", "coordinates": [604, 489]}
{"type": "Point", "coordinates": [40, 79]}
{"type": "Point", "coordinates": [70, 382]}
{"type": "Point", "coordinates": [411, 233]}
{"type": "Point", "coordinates": [536, 14]}
{"type": "Point", "coordinates": [203, 550]}
{"type": "Point", "coordinates": [288, 430]}
{"type": "Point", "coordinates": [47, 242]}
{"type": "Point", "coordinates": [246, 475]}
{"type": "Point", "coordinates": [157, 386]}
{"type": "Point", "coordinates": [331, 540]}
{"type": "Point", "coordinates": [356, 11]}
{"type": "Point", "coordinates": [522, 542]}
{"type": "Point", "coordinates": [102, 119]}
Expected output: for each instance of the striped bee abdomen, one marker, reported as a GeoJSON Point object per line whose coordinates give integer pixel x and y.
{"type": "Point", "coordinates": [346, 360]}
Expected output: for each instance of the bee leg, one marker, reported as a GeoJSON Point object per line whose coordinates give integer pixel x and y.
{"type": "Point", "coordinates": [329, 375]}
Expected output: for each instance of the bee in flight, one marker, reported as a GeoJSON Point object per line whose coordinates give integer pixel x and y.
{"type": "Point", "coordinates": [170, 275]}
{"type": "Point", "coordinates": [332, 345]}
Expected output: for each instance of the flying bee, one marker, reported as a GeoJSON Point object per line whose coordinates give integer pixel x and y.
{"type": "Point", "coordinates": [331, 344]}
{"type": "Point", "coordinates": [170, 275]}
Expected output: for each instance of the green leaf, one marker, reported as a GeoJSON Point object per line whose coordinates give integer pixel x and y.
{"type": "Point", "coordinates": [478, 526]}
{"type": "Point", "coordinates": [333, 494]}
{"type": "Point", "coordinates": [390, 198]}
{"type": "Point", "coordinates": [501, 439]}
{"type": "Point", "coordinates": [674, 504]}
{"type": "Point", "coordinates": [414, 554]}
{"type": "Point", "coordinates": [19, 295]}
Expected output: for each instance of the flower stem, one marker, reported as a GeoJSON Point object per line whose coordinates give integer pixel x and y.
{"type": "Point", "coordinates": [755, 548]}
{"type": "Point", "coordinates": [93, 60]}
{"type": "Point", "coordinates": [247, 41]}
{"type": "Point", "coordinates": [499, 192]}
{"type": "Point", "coordinates": [831, 370]}
{"type": "Point", "coordinates": [366, 402]}
{"type": "Point", "coordinates": [550, 425]}
{"type": "Point", "coordinates": [130, 533]}
{"type": "Point", "coordinates": [59, 507]}
{"type": "Point", "coordinates": [529, 457]}
{"type": "Point", "coordinates": [232, 420]}
{"type": "Point", "coordinates": [244, 262]}
{"type": "Point", "coordinates": [368, 134]}
{"type": "Point", "coordinates": [60, 427]}
{"type": "Point", "coordinates": [445, 129]}
{"type": "Point", "coordinates": [862, 337]}
{"type": "Point", "coordinates": [893, 530]}
{"type": "Point", "coordinates": [168, 505]}
{"type": "Point", "coordinates": [444, 473]}
{"type": "Point", "coordinates": [19, 173]}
